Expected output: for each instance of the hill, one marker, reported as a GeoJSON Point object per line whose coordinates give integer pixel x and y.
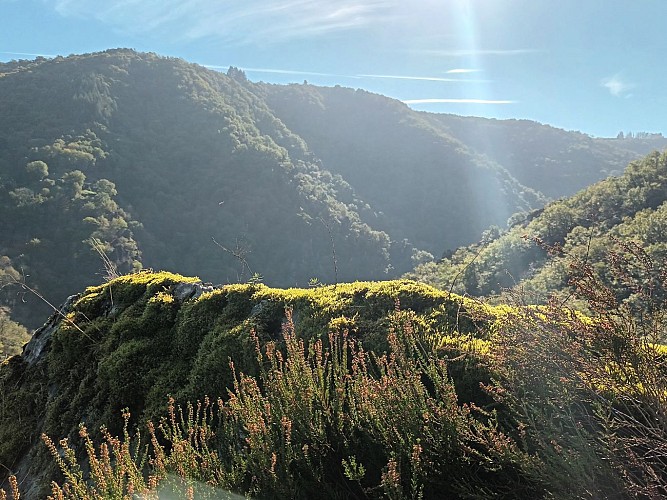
{"type": "Point", "coordinates": [425, 166]}
{"type": "Point", "coordinates": [345, 391]}
{"type": "Point", "coordinates": [135, 340]}
{"type": "Point", "coordinates": [552, 161]}
{"type": "Point", "coordinates": [163, 163]}
{"type": "Point", "coordinates": [431, 189]}
{"type": "Point", "coordinates": [627, 213]}
{"type": "Point", "coordinates": [157, 163]}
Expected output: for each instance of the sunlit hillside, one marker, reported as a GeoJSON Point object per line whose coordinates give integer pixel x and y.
{"type": "Point", "coordinates": [623, 213]}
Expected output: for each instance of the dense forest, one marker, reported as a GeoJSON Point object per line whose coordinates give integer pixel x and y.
{"type": "Point", "coordinates": [116, 161]}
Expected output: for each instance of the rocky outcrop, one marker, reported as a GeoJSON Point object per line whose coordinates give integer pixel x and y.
{"type": "Point", "coordinates": [132, 341]}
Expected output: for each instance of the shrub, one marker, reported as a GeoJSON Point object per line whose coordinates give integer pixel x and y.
{"type": "Point", "coordinates": [591, 393]}
{"type": "Point", "coordinates": [323, 418]}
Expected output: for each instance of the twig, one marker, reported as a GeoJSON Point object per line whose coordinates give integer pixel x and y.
{"type": "Point", "coordinates": [36, 293]}
{"type": "Point", "coordinates": [238, 253]}
{"type": "Point", "coordinates": [109, 266]}
{"type": "Point", "coordinates": [333, 249]}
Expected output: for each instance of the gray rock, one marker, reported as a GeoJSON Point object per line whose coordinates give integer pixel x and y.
{"type": "Point", "coordinates": [188, 291]}
{"type": "Point", "coordinates": [33, 351]}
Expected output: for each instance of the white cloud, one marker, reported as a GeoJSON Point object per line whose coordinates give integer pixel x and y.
{"type": "Point", "coordinates": [281, 71]}
{"type": "Point", "coordinates": [457, 101]}
{"type": "Point", "coordinates": [458, 71]}
{"type": "Point", "coordinates": [479, 52]}
{"type": "Point", "coordinates": [27, 54]}
{"type": "Point", "coordinates": [230, 20]}
{"type": "Point", "coordinates": [424, 78]}
{"type": "Point", "coordinates": [617, 87]}
{"type": "Point", "coordinates": [356, 77]}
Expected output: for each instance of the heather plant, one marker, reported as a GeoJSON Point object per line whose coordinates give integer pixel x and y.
{"type": "Point", "coordinates": [115, 468]}
{"type": "Point", "coordinates": [590, 393]}
{"type": "Point", "coordinates": [324, 418]}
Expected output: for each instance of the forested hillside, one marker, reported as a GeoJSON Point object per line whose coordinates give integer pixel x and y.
{"type": "Point", "coordinates": [148, 161]}
{"type": "Point", "coordinates": [524, 159]}
{"type": "Point", "coordinates": [164, 164]}
{"type": "Point", "coordinates": [550, 160]}
{"type": "Point", "coordinates": [626, 213]}
{"type": "Point", "coordinates": [154, 384]}
{"type": "Point", "coordinates": [431, 188]}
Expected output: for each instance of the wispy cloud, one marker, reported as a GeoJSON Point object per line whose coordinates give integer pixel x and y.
{"type": "Point", "coordinates": [458, 71]}
{"type": "Point", "coordinates": [424, 78]}
{"type": "Point", "coordinates": [356, 77]}
{"type": "Point", "coordinates": [281, 71]}
{"type": "Point", "coordinates": [457, 101]}
{"type": "Point", "coordinates": [26, 54]}
{"type": "Point", "coordinates": [617, 87]}
{"type": "Point", "coordinates": [234, 21]}
{"type": "Point", "coordinates": [479, 52]}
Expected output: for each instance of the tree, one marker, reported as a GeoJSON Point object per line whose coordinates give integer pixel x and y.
{"type": "Point", "coordinates": [38, 168]}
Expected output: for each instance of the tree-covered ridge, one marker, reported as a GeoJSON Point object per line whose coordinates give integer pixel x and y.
{"type": "Point", "coordinates": [627, 210]}
{"type": "Point", "coordinates": [456, 175]}
{"type": "Point", "coordinates": [426, 185]}
{"type": "Point", "coordinates": [552, 161]}
{"type": "Point", "coordinates": [159, 160]}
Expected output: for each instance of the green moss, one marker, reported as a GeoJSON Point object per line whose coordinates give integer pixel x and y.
{"type": "Point", "coordinates": [127, 289]}
{"type": "Point", "coordinates": [131, 342]}
{"type": "Point", "coordinates": [23, 392]}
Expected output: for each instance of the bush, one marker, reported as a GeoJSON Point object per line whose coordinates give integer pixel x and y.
{"type": "Point", "coordinates": [324, 418]}
{"type": "Point", "coordinates": [590, 393]}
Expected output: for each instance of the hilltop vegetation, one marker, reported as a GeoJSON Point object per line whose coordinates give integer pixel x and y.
{"type": "Point", "coordinates": [137, 339]}
{"type": "Point", "coordinates": [162, 164]}
{"type": "Point", "coordinates": [117, 161]}
{"type": "Point", "coordinates": [401, 165]}
{"type": "Point", "coordinates": [446, 169]}
{"type": "Point", "coordinates": [364, 390]}
{"type": "Point", "coordinates": [155, 158]}
{"type": "Point", "coordinates": [551, 161]}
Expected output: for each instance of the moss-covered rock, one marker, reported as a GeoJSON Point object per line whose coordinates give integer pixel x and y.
{"type": "Point", "coordinates": [132, 341]}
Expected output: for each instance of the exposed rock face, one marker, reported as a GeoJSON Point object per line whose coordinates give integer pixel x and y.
{"type": "Point", "coordinates": [34, 350]}
{"type": "Point", "coordinates": [187, 291]}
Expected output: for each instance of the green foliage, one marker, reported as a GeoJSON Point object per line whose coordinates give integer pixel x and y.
{"type": "Point", "coordinates": [59, 215]}
{"type": "Point", "coordinates": [322, 419]}
{"type": "Point", "coordinates": [590, 394]}
{"type": "Point", "coordinates": [153, 157]}
{"type": "Point", "coordinates": [552, 161]}
{"type": "Point", "coordinates": [174, 166]}
{"type": "Point", "coordinates": [12, 336]}
{"type": "Point", "coordinates": [608, 215]}
{"type": "Point", "coordinates": [406, 167]}
{"type": "Point", "coordinates": [131, 341]}
{"type": "Point", "coordinates": [360, 390]}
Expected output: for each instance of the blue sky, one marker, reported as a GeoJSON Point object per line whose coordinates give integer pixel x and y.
{"type": "Point", "coordinates": [597, 66]}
